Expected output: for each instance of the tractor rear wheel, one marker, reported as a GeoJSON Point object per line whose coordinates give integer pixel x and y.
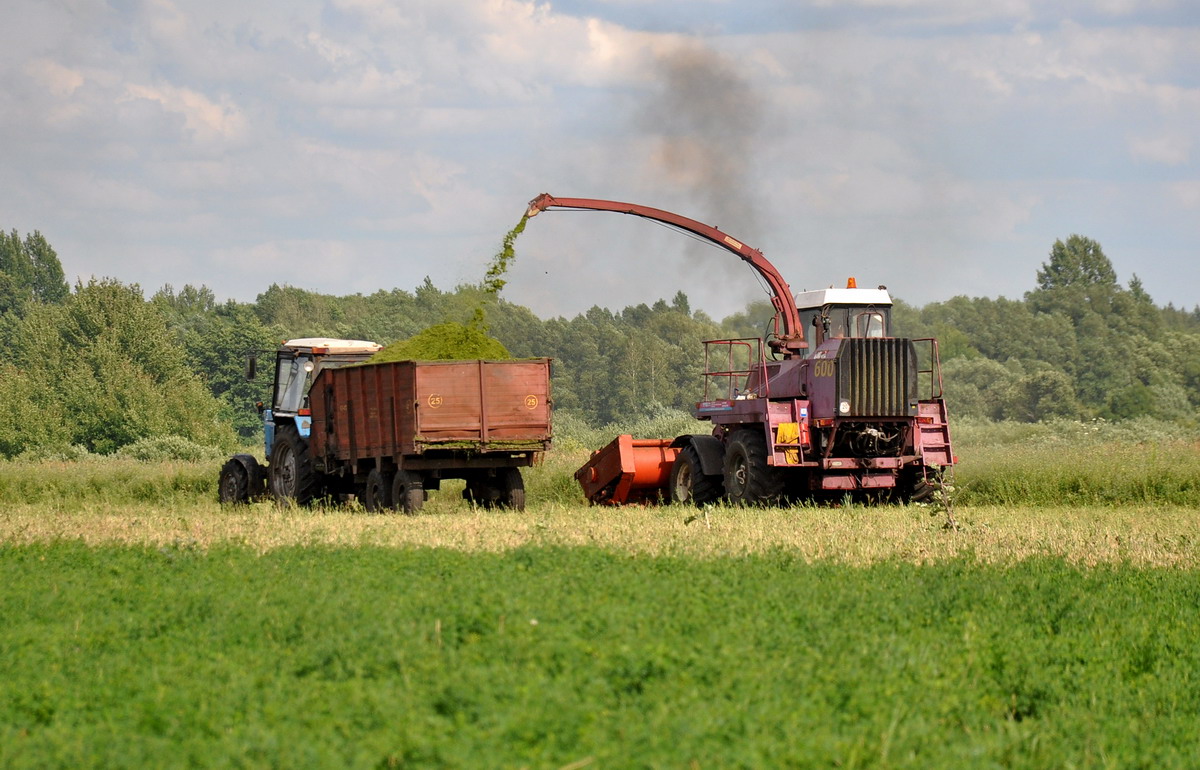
{"type": "Point", "coordinates": [377, 491]}
{"type": "Point", "coordinates": [408, 492]}
{"type": "Point", "coordinates": [689, 484]}
{"type": "Point", "coordinates": [293, 480]}
{"type": "Point", "coordinates": [748, 478]}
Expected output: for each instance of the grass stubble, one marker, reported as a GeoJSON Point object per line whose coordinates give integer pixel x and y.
{"type": "Point", "coordinates": [161, 507]}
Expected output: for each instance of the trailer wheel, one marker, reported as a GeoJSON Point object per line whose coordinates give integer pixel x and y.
{"type": "Point", "coordinates": [408, 492]}
{"type": "Point", "coordinates": [293, 479]}
{"type": "Point", "coordinates": [689, 484]}
{"type": "Point", "coordinates": [377, 492]}
{"type": "Point", "coordinates": [748, 478]}
{"type": "Point", "coordinates": [512, 488]}
{"type": "Point", "coordinates": [505, 490]}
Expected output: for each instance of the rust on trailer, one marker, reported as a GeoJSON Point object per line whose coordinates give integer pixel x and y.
{"type": "Point", "coordinates": [628, 470]}
{"type": "Point", "coordinates": [408, 408]}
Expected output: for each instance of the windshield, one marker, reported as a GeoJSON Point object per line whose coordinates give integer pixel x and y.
{"type": "Point", "coordinates": [292, 380]}
{"type": "Point", "coordinates": [836, 321]}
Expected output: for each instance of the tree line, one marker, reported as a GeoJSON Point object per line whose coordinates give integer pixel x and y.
{"type": "Point", "coordinates": [99, 366]}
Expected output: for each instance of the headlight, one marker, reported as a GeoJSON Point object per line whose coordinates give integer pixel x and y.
{"type": "Point", "coordinates": [844, 407]}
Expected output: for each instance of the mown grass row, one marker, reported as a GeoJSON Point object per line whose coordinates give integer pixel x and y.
{"type": "Point", "coordinates": [546, 657]}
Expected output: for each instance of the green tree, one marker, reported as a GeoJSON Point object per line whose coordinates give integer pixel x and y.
{"type": "Point", "coordinates": [105, 365]}
{"type": "Point", "coordinates": [1077, 278]}
{"type": "Point", "coordinates": [29, 271]}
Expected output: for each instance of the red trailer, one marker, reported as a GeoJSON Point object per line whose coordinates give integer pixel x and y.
{"type": "Point", "coordinates": [392, 431]}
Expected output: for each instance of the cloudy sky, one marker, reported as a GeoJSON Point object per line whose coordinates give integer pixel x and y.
{"type": "Point", "coordinates": [935, 146]}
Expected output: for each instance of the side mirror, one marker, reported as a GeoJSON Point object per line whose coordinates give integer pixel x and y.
{"type": "Point", "coordinates": [251, 366]}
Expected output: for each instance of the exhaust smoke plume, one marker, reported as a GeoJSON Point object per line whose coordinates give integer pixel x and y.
{"type": "Point", "coordinates": [706, 117]}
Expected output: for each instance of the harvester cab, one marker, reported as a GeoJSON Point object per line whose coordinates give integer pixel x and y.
{"type": "Point", "coordinates": [849, 312]}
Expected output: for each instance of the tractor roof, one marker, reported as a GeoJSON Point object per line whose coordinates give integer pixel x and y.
{"type": "Point", "coordinates": [331, 345]}
{"type": "Point", "coordinates": [806, 300]}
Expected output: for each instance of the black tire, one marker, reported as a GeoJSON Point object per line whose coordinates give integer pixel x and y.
{"type": "Point", "coordinates": [293, 480]}
{"type": "Point", "coordinates": [912, 487]}
{"type": "Point", "coordinates": [408, 492]}
{"type": "Point", "coordinates": [234, 484]}
{"type": "Point", "coordinates": [512, 488]}
{"type": "Point", "coordinates": [748, 478]}
{"type": "Point", "coordinates": [377, 492]}
{"type": "Point", "coordinates": [504, 490]}
{"type": "Point", "coordinates": [689, 484]}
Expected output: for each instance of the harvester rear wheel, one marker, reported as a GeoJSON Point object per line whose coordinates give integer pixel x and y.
{"type": "Point", "coordinates": [377, 491]}
{"type": "Point", "coordinates": [408, 492]}
{"type": "Point", "coordinates": [748, 478]}
{"type": "Point", "coordinates": [293, 479]}
{"type": "Point", "coordinates": [689, 484]}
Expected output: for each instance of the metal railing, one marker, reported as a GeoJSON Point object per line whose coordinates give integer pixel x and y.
{"type": "Point", "coordinates": [732, 373]}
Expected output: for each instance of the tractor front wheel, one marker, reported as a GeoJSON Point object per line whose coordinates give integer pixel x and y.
{"type": "Point", "coordinates": [748, 478]}
{"type": "Point", "coordinates": [237, 482]}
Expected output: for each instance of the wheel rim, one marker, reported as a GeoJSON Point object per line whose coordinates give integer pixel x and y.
{"type": "Point", "coordinates": [683, 482]}
{"type": "Point", "coordinates": [231, 485]}
{"type": "Point", "coordinates": [286, 471]}
{"type": "Point", "coordinates": [740, 474]}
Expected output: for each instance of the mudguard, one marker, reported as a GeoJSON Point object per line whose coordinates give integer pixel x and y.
{"type": "Point", "coordinates": [711, 451]}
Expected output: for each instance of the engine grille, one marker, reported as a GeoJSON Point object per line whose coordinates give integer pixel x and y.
{"type": "Point", "coordinates": [878, 377]}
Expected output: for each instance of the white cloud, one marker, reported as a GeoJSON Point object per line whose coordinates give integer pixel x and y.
{"type": "Point", "coordinates": [1168, 150]}
{"type": "Point", "coordinates": [1187, 194]}
{"type": "Point", "coordinates": [206, 119]}
{"type": "Point", "coordinates": [58, 80]}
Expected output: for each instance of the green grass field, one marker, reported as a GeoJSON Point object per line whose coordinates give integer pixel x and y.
{"type": "Point", "coordinates": [145, 625]}
{"type": "Point", "coordinates": [553, 657]}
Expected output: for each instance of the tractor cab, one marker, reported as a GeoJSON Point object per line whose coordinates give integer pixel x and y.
{"type": "Point", "coordinates": [299, 361]}
{"type": "Point", "coordinates": [844, 313]}
{"type": "Point", "coordinates": [297, 364]}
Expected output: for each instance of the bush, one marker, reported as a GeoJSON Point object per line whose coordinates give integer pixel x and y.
{"type": "Point", "coordinates": [160, 448]}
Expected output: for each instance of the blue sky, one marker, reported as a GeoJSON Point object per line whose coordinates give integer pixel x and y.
{"type": "Point", "coordinates": [934, 146]}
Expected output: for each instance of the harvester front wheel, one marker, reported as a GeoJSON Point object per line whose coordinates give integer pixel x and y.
{"type": "Point", "coordinates": [293, 479]}
{"type": "Point", "coordinates": [748, 478]}
{"type": "Point", "coordinates": [377, 492]}
{"type": "Point", "coordinates": [408, 492]}
{"type": "Point", "coordinates": [689, 484]}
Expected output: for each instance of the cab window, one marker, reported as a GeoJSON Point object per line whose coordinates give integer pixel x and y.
{"type": "Point", "coordinates": [869, 324]}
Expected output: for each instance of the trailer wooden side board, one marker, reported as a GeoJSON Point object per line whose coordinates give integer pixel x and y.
{"type": "Point", "coordinates": [406, 408]}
